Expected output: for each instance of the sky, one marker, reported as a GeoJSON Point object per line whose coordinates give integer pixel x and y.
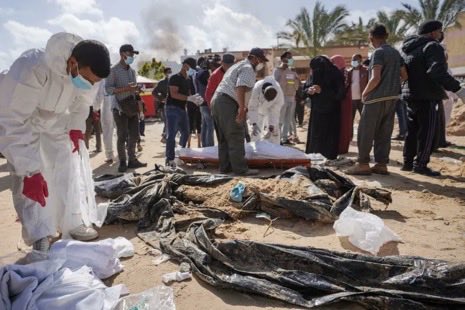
{"type": "Point", "coordinates": [159, 28]}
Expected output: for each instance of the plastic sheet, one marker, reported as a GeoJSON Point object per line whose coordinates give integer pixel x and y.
{"type": "Point", "coordinates": [159, 298]}
{"type": "Point", "coordinates": [364, 230]}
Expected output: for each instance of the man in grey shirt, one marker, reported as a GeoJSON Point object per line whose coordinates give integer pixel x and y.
{"type": "Point", "coordinates": [229, 112]}
{"type": "Point", "coordinates": [379, 98]}
{"type": "Point", "coordinates": [122, 83]}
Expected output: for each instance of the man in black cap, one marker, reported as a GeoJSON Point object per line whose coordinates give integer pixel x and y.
{"type": "Point", "coordinates": [122, 83]}
{"type": "Point", "coordinates": [427, 81]}
{"type": "Point", "coordinates": [229, 112]}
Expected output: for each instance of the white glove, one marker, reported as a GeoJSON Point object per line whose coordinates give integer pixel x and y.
{"type": "Point", "coordinates": [196, 99]}
{"type": "Point", "coordinates": [255, 130]}
{"type": "Point", "coordinates": [141, 116]}
{"type": "Point", "coordinates": [461, 94]}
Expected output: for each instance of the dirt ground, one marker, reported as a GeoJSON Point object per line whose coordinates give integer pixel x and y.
{"type": "Point", "coordinates": [427, 213]}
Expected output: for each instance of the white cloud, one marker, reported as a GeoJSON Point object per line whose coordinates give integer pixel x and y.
{"type": "Point", "coordinates": [27, 36]}
{"type": "Point", "coordinates": [79, 6]}
{"type": "Point", "coordinates": [113, 32]}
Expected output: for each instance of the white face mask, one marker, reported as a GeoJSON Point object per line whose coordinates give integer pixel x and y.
{"type": "Point", "coordinates": [260, 66]}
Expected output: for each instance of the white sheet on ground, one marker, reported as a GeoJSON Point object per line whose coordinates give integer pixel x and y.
{"type": "Point", "coordinates": [49, 285]}
{"type": "Point", "coordinates": [253, 150]}
{"type": "Point", "coordinates": [102, 256]}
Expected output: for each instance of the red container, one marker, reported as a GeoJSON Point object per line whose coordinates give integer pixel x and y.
{"type": "Point", "coordinates": [150, 105]}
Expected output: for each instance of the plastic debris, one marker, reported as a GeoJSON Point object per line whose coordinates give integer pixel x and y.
{"type": "Point", "coordinates": [237, 192]}
{"type": "Point", "coordinates": [160, 298]}
{"type": "Point", "coordinates": [175, 277]}
{"type": "Point", "coordinates": [366, 231]}
{"type": "Point", "coordinates": [161, 259]}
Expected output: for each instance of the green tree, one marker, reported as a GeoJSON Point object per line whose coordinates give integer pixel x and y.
{"type": "Point", "coordinates": [446, 11]}
{"type": "Point", "coordinates": [152, 69]}
{"type": "Point", "coordinates": [395, 25]}
{"type": "Point", "coordinates": [316, 30]}
{"type": "Point", "coordinates": [355, 34]}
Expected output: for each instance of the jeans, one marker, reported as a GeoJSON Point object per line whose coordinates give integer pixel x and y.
{"type": "Point", "coordinates": [207, 127]}
{"type": "Point", "coordinates": [127, 129]}
{"type": "Point", "coordinates": [401, 112]}
{"type": "Point", "coordinates": [176, 120]}
{"type": "Point", "coordinates": [287, 119]}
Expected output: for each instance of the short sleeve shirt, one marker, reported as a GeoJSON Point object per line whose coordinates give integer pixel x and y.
{"type": "Point", "coordinates": [389, 87]}
{"type": "Point", "coordinates": [183, 85]}
{"type": "Point", "coordinates": [241, 74]}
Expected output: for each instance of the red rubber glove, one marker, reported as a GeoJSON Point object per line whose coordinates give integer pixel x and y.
{"type": "Point", "coordinates": [96, 116]}
{"type": "Point", "coordinates": [35, 188]}
{"type": "Point", "coordinates": [75, 136]}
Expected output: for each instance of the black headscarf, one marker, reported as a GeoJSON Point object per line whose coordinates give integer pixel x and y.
{"type": "Point", "coordinates": [324, 72]}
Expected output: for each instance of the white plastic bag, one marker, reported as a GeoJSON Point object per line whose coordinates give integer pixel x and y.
{"type": "Point", "coordinates": [365, 231]}
{"type": "Point", "coordinates": [175, 276]}
{"type": "Point", "coordinates": [159, 298]}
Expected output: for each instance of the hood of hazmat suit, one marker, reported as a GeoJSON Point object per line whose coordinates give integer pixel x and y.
{"type": "Point", "coordinates": [39, 98]}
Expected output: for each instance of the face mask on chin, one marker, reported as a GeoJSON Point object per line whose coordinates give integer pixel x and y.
{"type": "Point", "coordinates": [259, 67]}
{"type": "Point", "coordinates": [80, 82]}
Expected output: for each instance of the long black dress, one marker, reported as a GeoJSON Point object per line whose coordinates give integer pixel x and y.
{"type": "Point", "coordinates": [324, 126]}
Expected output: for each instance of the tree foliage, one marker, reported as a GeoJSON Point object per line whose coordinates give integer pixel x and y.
{"type": "Point", "coordinates": [152, 69]}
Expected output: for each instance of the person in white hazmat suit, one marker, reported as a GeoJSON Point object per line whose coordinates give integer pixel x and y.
{"type": "Point", "coordinates": [45, 99]}
{"type": "Point", "coordinates": [108, 125]}
{"type": "Point", "coordinates": [264, 110]}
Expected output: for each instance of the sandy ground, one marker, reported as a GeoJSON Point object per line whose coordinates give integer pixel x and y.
{"type": "Point", "coordinates": [427, 213]}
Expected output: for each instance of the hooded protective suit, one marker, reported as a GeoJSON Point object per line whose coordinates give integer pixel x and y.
{"type": "Point", "coordinates": [38, 107]}
{"type": "Point", "coordinates": [265, 113]}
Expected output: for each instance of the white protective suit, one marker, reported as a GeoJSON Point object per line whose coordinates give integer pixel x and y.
{"type": "Point", "coordinates": [265, 113]}
{"type": "Point", "coordinates": [38, 107]}
{"type": "Point", "coordinates": [108, 124]}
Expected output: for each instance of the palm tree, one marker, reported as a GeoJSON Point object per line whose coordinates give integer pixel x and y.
{"type": "Point", "coordinates": [395, 25]}
{"type": "Point", "coordinates": [355, 34]}
{"type": "Point", "coordinates": [316, 30]}
{"type": "Point", "coordinates": [446, 11]}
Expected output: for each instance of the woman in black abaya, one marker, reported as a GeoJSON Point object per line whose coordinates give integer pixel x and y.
{"type": "Point", "coordinates": [326, 89]}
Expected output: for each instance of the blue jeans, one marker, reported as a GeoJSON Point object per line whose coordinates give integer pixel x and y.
{"type": "Point", "coordinates": [176, 120]}
{"type": "Point", "coordinates": [207, 127]}
{"type": "Point", "coordinates": [401, 111]}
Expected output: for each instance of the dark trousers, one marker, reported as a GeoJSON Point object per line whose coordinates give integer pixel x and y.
{"type": "Point", "coordinates": [440, 137]}
{"type": "Point", "coordinates": [176, 120]}
{"type": "Point", "coordinates": [357, 105]}
{"type": "Point", "coordinates": [401, 112]}
{"type": "Point", "coordinates": [422, 126]}
{"type": "Point", "coordinates": [375, 130]}
{"type": "Point", "coordinates": [299, 112]}
{"type": "Point", "coordinates": [127, 130]}
{"type": "Point", "coordinates": [93, 125]}
{"type": "Point", "coordinates": [230, 135]}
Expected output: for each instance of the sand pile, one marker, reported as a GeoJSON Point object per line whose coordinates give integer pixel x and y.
{"type": "Point", "coordinates": [457, 123]}
{"type": "Point", "coordinates": [218, 196]}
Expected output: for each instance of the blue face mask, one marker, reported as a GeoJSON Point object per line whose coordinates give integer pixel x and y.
{"type": "Point", "coordinates": [290, 62]}
{"type": "Point", "coordinates": [355, 63]}
{"type": "Point", "coordinates": [80, 82]}
{"type": "Point", "coordinates": [191, 72]}
{"type": "Point", "coordinates": [129, 60]}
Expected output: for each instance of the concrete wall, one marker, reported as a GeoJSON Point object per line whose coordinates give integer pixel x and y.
{"type": "Point", "coordinates": [455, 44]}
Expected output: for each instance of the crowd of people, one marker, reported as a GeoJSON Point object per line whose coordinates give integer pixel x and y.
{"type": "Point", "coordinates": [54, 98]}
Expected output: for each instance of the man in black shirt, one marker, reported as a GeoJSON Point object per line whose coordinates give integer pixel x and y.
{"type": "Point", "coordinates": [160, 93]}
{"type": "Point", "coordinates": [175, 109]}
{"type": "Point", "coordinates": [427, 81]}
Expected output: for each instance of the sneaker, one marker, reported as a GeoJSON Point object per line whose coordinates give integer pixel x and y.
{"type": "Point", "coordinates": [287, 142]}
{"type": "Point", "coordinates": [133, 164]}
{"type": "Point", "coordinates": [407, 167]}
{"type": "Point", "coordinates": [122, 167]}
{"type": "Point", "coordinates": [163, 140]}
{"type": "Point", "coordinates": [426, 171]}
{"type": "Point", "coordinates": [139, 148]}
{"type": "Point", "coordinates": [171, 164]}
{"type": "Point", "coordinates": [109, 160]}
{"type": "Point", "coordinates": [359, 169]}
{"type": "Point", "coordinates": [380, 169]}
{"type": "Point", "coordinates": [399, 138]}
{"type": "Point", "coordinates": [42, 245]}
{"type": "Point", "coordinates": [83, 233]}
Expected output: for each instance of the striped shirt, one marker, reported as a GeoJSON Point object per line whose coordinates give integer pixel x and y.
{"type": "Point", "coordinates": [120, 76]}
{"type": "Point", "coordinates": [241, 74]}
